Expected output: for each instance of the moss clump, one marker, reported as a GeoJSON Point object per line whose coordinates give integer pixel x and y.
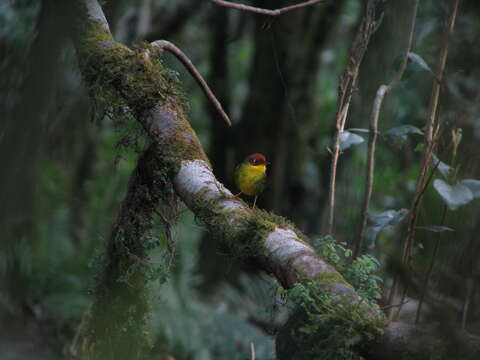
{"type": "Point", "coordinates": [255, 230]}
{"type": "Point", "coordinates": [118, 76]}
{"type": "Point", "coordinates": [282, 223]}
{"type": "Point", "coordinates": [325, 279]}
{"type": "Point", "coordinates": [133, 85]}
{"type": "Point", "coordinates": [246, 239]}
{"type": "Point", "coordinates": [178, 143]}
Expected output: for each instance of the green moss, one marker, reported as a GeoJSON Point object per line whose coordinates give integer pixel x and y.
{"type": "Point", "coordinates": [181, 143]}
{"type": "Point", "coordinates": [252, 238]}
{"type": "Point", "coordinates": [128, 85]}
{"type": "Point", "coordinates": [117, 76]}
{"type": "Point", "coordinates": [324, 279]}
{"type": "Point", "coordinates": [245, 240]}
{"type": "Point", "coordinates": [282, 223]}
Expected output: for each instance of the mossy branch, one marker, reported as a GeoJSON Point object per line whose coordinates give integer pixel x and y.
{"type": "Point", "coordinates": [367, 27]}
{"type": "Point", "coordinates": [154, 100]}
{"type": "Point", "coordinates": [432, 136]}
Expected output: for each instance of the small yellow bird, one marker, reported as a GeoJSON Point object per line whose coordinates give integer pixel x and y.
{"type": "Point", "coordinates": [250, 175]}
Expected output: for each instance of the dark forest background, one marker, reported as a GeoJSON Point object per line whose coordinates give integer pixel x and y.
{"type": "Point", "coordinates": [65, 166]}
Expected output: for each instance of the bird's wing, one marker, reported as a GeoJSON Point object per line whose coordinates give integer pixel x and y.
{"type": "Point", "coordinates": [260, 184]}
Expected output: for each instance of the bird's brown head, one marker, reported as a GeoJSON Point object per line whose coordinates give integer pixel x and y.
{"type": "Point", "coordinates": [256, 159]}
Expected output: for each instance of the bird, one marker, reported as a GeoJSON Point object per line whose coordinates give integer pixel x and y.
{"type": "Point", "coordinates": [250, 175]}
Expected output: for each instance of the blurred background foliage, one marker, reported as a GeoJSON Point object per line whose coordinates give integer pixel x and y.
{"type": "Point", "coordinates": [65, 171]}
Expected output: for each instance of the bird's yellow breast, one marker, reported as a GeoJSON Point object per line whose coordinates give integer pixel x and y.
{"type": "Point", "coordinates": [250, 179]}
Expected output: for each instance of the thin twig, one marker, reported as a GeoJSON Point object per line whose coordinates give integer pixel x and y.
{"type": "Point", "coordinates": [430, 178]}
{"type": "Point", "coordinates": [366, 29]}
{"type": "Point", "coordinates": [395, 305]}
{"type": "Point", "coordinates": [431, 137]}
{"type": "Point", "coordinates": [180, 55]}
{"type": "Point", "coordinates": [273, 13]}
{"type": "Point", "coordinates": [470, 287]}
{"type": "Point", "coordinates": [430, 268]}
{"type": "Point", "coordinates": [73, 348]}
{"type": "Point", "coordinates": [395, 279]}
{"type": "Point", "coordinates": [399, 310]}
{"type": "Point", "coordinates": [252, 349]}
{"type": "Point", "coordinates": [437, 242]}
{"type": "Point", "coordinates": [373, 133]}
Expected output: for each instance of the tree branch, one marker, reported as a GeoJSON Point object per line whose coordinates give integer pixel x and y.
{"type": "Point", "coordinates": [366, 29]}
{"type": "Point", "coordinates": [431, 138]}
{"type": "Point", "coordinates": [180, 55]}
{"type": "Point", "coordinates": [273, 13]}
{"type": "Point", "coordinates": [281, 251]}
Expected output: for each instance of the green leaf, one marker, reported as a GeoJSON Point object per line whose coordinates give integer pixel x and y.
{"type": "Point", "coordinates": [389, 217]}
{"type": "Point", "coordinates": [453, 196]}
{"type": "Point", "coordinates": [382, 220]}
{"type": "Point", "coordinates": [399, 134]}
{"type": "Point", "coordinates": [348, 139]}
{"type": "Point", "coordinates": [435, 228]}
{"type": "Point", "coordinates": [473, 185]}
{"type": "Point", "coordinates": [358, 130]}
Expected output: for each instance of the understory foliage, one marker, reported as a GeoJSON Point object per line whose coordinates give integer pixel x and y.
{"type": "Point", "coordinates": [330, 328]}
{"type": "Point", "coordinates": [334, 327]}
{"type": "Point", "coordinates": [220, 326]}
{"type": "Point", "coordinates": [360, 272]}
